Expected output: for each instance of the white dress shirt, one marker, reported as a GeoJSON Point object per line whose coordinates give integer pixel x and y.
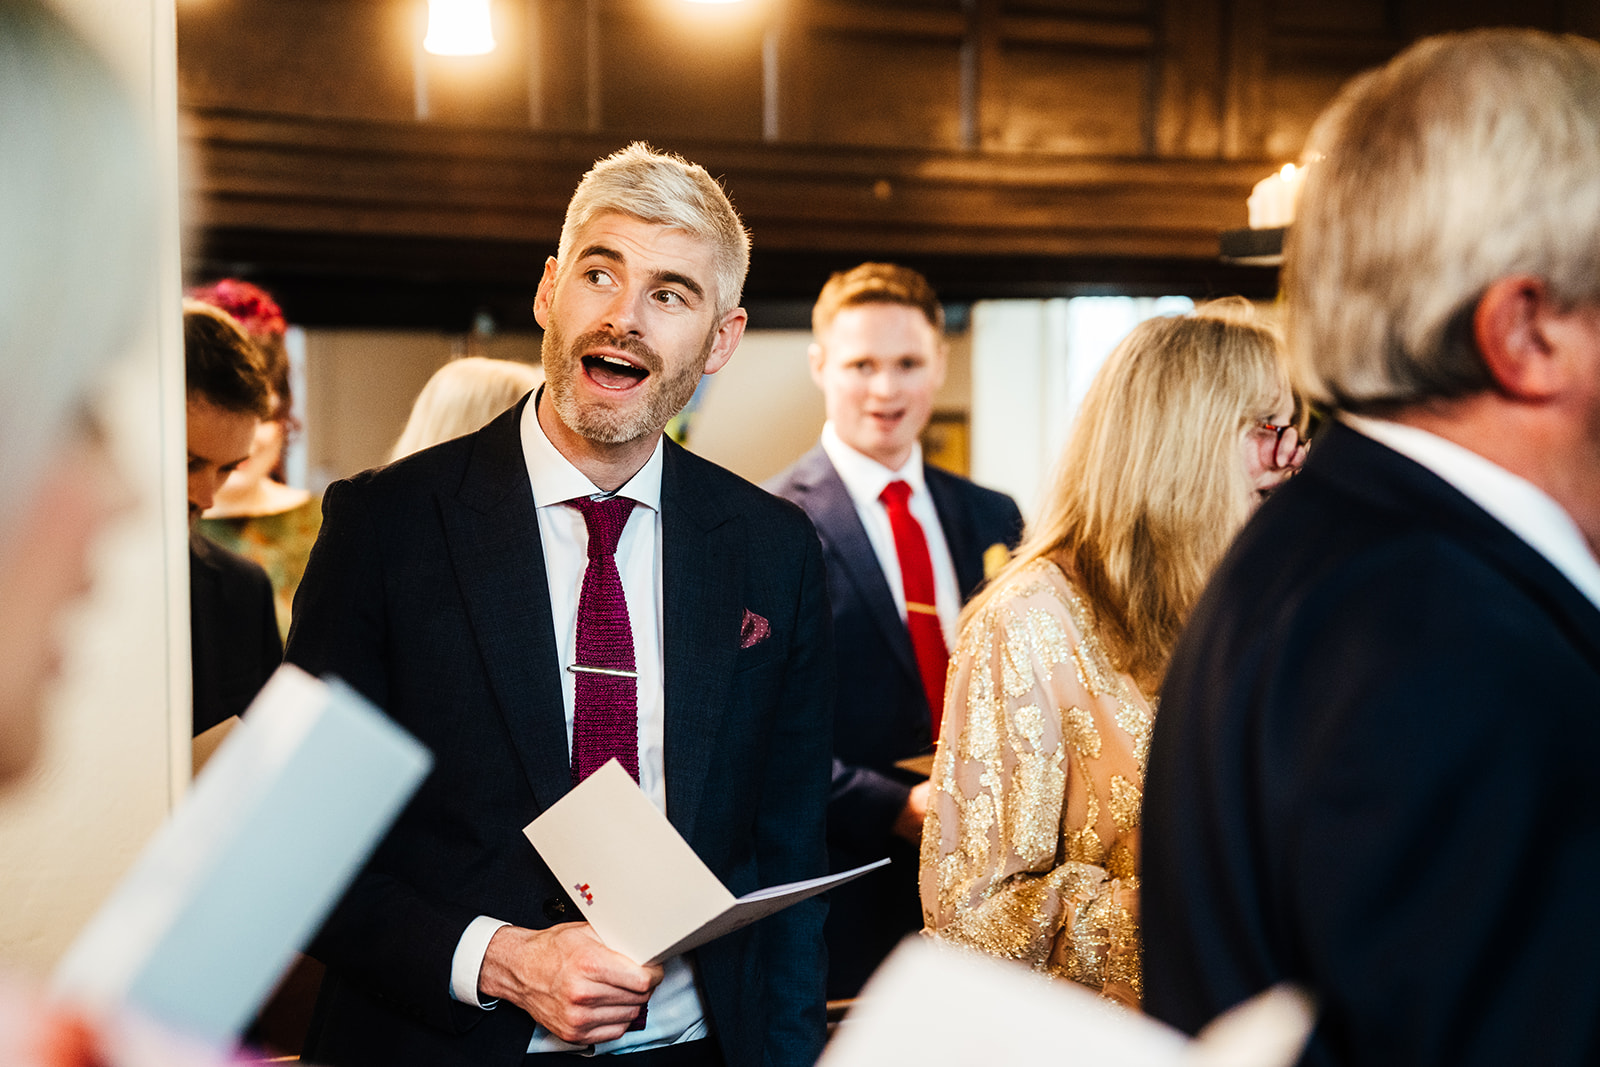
{"type": "Point", "coordinates": [1518, 504]}
{"type": "Point", "coordinates": [865, 479]}
{"type": "Point", "coordinates": [676, 1013]}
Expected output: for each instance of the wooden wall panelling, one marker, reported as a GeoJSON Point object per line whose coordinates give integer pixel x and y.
{"type": "Point", "coordinates": [436, 182]}
{"type": "Point", "coordinates": [1070, 85]}
{"type": "Point", "coordinates": [306, 57]}
{"type": "Point", "coordinates": [1244, 89]}
{"type": "Point", "coordinates": [984, 109]}
{"type": "Point", "coordinates": [562, 63]}
{"type": "Point", "coordinates": [1581, 16]}
{"type": "Point", "coordinates": [1129, 10]}
{"type": "Point", "coordinates": [1188, 77]}
{"type": "Point", "coordinates": [1070, 101]}
{"type": "Point", "coordinates": [1418, 18]}
{"type": "Point", "coordinates": [1312, 51]}
{"type": "Point", "coordinates": [681, 70]}
{"type": "Point", "coordinates": [873, 74]}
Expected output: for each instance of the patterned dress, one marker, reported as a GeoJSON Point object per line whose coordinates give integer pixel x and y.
{"type": "Point", "coordinates": [1030, 849]}
{"type": "Point", "coordinates": [280, 544]}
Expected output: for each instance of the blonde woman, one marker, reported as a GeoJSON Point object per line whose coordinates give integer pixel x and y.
{"type": "Point", "coordinates": [1030, 848]}
{"type": "Point", "coordinates": [461, 397]}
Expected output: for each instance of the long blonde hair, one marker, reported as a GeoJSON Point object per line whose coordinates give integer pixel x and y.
{"type": "Point", "coordinates": [1151, 486]}
{"type": "Point", "coordinates": [461, 397]}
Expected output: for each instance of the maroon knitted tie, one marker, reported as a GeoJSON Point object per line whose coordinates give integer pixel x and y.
{"type": "Point", "coordinates": [605, 707]}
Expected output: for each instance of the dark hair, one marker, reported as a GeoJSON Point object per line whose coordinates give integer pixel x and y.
{"type": "Point", "coordinates": [221, 364]}
{"type": "Point", "coordinates": [253, 308]}
{"type": "Point", "coordinates": [876, 283]}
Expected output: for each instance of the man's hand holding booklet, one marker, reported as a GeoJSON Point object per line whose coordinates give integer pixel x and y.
{"type": "Point", "coordinates": [637, 881]}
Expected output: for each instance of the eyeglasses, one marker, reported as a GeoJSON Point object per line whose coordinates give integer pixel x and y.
{"type": "Point", "coordinates": [1288, 449]}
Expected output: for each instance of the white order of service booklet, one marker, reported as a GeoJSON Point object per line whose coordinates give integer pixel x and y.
{"type": "Point", "coordinates": [940, 1005]}
{"type": "Point", "coordinates": [245, 869]}
{"type": "Point", "coordinates": [637, 881]}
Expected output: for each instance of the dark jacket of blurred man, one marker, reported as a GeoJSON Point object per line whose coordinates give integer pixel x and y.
{"type": "Point", "coordinates": [234, 642]}
{"type": "Point", "coordinates": [1373, 770]}
{"type": "Point", "coordinates": [879, 358]}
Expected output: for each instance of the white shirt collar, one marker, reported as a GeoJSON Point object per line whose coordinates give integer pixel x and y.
{"type": "Point", "coordinates": [555, 479]}
{"type": "Point", "coordinates": [1518, 504]}
{"type": "Point", "coordinates": [864, 477]}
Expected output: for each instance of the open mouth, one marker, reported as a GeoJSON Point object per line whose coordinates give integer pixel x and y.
{"type": "Point", "coordinates": [613, 372]}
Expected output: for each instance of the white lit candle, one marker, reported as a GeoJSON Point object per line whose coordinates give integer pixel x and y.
{"type": "Point", "coordinates": [1275, 197]}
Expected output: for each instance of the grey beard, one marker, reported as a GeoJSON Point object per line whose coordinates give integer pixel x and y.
{"type": "Point", "coordinates": [665, 396]}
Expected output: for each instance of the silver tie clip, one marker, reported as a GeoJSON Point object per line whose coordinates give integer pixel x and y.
{"type": "Point", "coordinates": [603, 670]}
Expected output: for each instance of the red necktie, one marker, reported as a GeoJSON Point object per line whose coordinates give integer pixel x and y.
{"type": "Point", "coordinates": [922, 614]}
{"type": "Point", "coordinates": [605, 706]}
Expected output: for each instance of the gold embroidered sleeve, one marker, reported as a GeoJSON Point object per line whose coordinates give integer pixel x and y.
{"type": "Point", "coordinates": [1023, 851]}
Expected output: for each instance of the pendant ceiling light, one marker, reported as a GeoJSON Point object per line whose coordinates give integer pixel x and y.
{"type": "Point", "coordinates": [458, 28]}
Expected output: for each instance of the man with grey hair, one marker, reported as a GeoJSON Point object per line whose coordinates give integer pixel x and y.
{"type": "Point", "coordinates": [559, 589]}
{"type": "Point", "coordinates": [1373, 772]}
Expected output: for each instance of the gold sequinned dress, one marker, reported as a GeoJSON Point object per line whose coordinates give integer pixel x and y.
{"type": "Point", "coordinates": [1030, 849]}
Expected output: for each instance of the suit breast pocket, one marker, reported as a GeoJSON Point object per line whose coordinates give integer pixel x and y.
{"type": "Point", "coordinates": [765, 654]}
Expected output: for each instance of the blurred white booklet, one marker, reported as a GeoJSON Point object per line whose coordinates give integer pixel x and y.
{"type": "Point", "coordinates": [637, 881]}
{"type": "Point", "coordinates": [250, 862]}
{"type": "Point", "coordinates": [937, 1005]}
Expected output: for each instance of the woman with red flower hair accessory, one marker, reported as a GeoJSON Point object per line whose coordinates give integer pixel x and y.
{"type": "Point", "coordinates": [256, 513]}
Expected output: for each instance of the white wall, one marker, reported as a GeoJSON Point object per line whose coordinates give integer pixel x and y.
{"type": "Point", "coordinates": [360, 384]}
{"type": "Point", "coordinates": [762, 411]}
{"type": "Point", "coordinates": [117, 749]}
{"type": "Point", "coordinates": [1032, 362]}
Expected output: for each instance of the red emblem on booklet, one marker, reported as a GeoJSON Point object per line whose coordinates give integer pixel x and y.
{"type": "Point", "coordinates": [588, 897]}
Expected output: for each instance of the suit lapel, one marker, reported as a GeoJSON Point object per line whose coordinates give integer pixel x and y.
{"type": "Point", "coordinates": [492, 530]}
{"type": "Point", "coordinates": [702, 582]}
{"type": "Point", "coordinates": [834, 515]}
{"type": "Point", "coordinates": [956, 523]}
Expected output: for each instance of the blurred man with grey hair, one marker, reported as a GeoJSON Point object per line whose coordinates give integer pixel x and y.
{"type": "Point", "coordinates": [1374, 769]}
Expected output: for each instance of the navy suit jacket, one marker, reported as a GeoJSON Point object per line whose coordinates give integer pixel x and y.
{"type": "Point", "coordinates": [427, 592]}
{"type": "Point", "coordinates": [881, 713]}
{"type": "Point", "coordinates": [1373, 773]}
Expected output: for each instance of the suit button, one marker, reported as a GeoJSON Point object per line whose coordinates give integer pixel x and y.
{"type": "Point", "coordinates": [556, 908]}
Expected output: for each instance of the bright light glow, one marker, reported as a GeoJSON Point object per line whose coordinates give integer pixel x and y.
{"type": "Point", "coordinates": [1288, 171]}
{"type": "Point", "coordinates": [716, 1]}
{"type": "Point", "coordinates": [458, 28]}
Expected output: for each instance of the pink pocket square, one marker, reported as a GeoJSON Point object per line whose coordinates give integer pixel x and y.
{"type": "Point", "coordinates": [753, 630]}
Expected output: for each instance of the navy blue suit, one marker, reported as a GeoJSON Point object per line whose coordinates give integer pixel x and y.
{"type": "Point", "coordinates": [1373, 773]}
{"type": "Point", "coordinates": [881, 713]}
{"type": "Point", "coordinates": [427, 592]}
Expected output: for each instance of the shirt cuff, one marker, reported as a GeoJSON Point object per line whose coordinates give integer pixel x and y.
{"type": "Point", "coordinates": [466, 964]}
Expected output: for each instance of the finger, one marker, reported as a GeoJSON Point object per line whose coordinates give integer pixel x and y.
{"type": "Point", "coordinates": [614, 969]}
{"type": "Point", "coordinates": [605, 996]}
